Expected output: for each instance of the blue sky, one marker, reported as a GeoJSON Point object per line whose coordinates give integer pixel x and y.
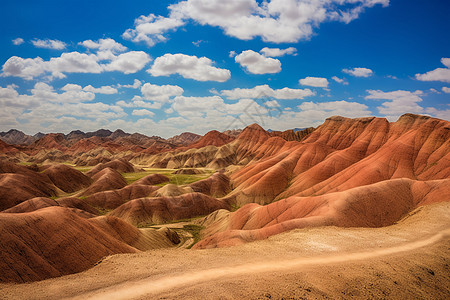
{"type": "Point", "coordinates": [165, 67]}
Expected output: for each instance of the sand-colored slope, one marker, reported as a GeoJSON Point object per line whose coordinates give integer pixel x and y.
{"type": "Point", "coordinates": [55, 241]}
{"type": "Point", "coordinates": [377, 205]}
{"type": "Point", "coordinates": [408, 260]}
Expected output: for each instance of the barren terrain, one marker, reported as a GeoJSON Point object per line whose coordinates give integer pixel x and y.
{"type": "Point", "coordinates": [353, 208]}
{"type": "Point", "coordinates": [409, 259]}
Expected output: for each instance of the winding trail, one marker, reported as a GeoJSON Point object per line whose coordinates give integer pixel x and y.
{"type": "Point", "coordinates": [131, 290]}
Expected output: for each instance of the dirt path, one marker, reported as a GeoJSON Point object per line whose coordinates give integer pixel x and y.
{"type": "Point", "coordinates": [410, 259]}
{"type": "Point", "coordinates": [151, 286]}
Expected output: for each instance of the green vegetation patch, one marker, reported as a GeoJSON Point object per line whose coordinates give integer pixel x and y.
{"type": "Point", "coordinates": [178, 179]}
{"type": "Point", "coordinates": [132, 177]}
{"type": "Point", "coordinates": [195, 231]}
{"type": "Point", "coordinates": [101, 210]}
{"type": "Point", "coordinates": [83, 169]}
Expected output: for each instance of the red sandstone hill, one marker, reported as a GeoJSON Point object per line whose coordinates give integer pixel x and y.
{"type": "Point", "coordinates": [82, 207]}
{"type": "Point", "coordinates": [7, 148]}
{"type": "Point", "coordinates": [212, 138]}
{"type": "Point", "coordinates": [105, 180]}
{"type": "Point", "coordinates": [101, 146]}
{"type": "Point", "coordinates": [51, 141]}
{"type": "Point", "coordinates": [364, 172]}
{"type": "Point", "coordinates": [184, 139]}
{"type": "Point", "coordinates": [54, 241]}
{"type": "Point", "coordinates": [217, 185]}
{"type": "Point", "coordinates": [376, 205]}
{"type": "Point", "coordinates": [114, 198]}
{"type": "Point", "coordinates": [66, 178]}
{"type": "Point", "coordinates": [160, 210]}
{"type": "Point", "coordinates": [18, 183]}
{"type": "Point", "coordinates": [119, 165]}
{"type": "Point", "coordinates": [344, 153]}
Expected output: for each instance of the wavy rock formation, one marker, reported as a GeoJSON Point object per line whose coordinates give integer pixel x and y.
{"type": "Point", "coordinates": [184, 139]}
{"type": "Point", "coordinates": [345, 153]}
{"type": "Point", "coordinates": [160, 210]}
{"type": "Point", "coordinates": [66, 178]}
{"type": "Point", "coordinates": [152, 179]}
{"type": "Point", "coordinates": [55, 241]}
{"type": "Point", "coordinates": [18, 184]}
{"type": "Point", "coordinates": [119, 165]}
{"type": "Point", "coordinates": [104, 180]}
{"type": "Point", "coordinates": [82, 206]}
{"type": "Point", "coordinates": [217, 185]}
{"type": "Point", "coordinates": [375, 205]}
{"type": "Point", "coordinates": [114, 198]}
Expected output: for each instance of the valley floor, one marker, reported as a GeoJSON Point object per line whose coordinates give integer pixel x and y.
{"type": "Point", "coordinates": [410, 259]}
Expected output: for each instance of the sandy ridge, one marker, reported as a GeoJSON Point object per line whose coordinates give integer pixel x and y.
{"type": "Point", "coordinates": [150, 286]}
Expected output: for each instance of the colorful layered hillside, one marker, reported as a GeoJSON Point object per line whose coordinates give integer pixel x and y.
{"type": "Point", "coordinates": [54, 241]}
{"type": "Point", "coordinates": [251, 145]}
{"type": "Point", "coordinates": [212, 138]}
{"type": "Point", "coordinates": [160, 210]}
{"type": "Point", "coordinates": [184, 139]}
{"type": "Point", "coordinates": [16, 137]}
{"type": "Point", "coordinates": [376, 205]}
{"type": "Point", "coordinates": [345, 153]}
{"type": "Point", "coordinates": [363, 172]}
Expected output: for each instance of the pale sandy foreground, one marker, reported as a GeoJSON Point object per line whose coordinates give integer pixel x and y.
{"type": "Point", "coordinates": [403, 261]}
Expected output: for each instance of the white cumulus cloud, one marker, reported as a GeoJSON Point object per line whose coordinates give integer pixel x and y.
{"type": "Point", "coordinates": [18, 41]}
{"type": "Point", "coordinates": [359, 72]}
{"type": "Point", "coordinates": [277, 21]}
{"type": "Point", "coordinates": [314, 81]}
{"type": "Point", "coordinates": [439, 74]}
{"type": "Point", "coordinates": [26, 68]}
{"type": "Point", "coordinates": [323, 110]}
{"type": "Point", "coordinates": [401, 102]}
{"type": "Point", "coordinates": [129, 62]}
{"type": "Point", "coordinates": [104, 45]}
{"type": "Point", "coordinates": [136, 84]}
{"type": "Point", "coordinates": [107, 90]}
{"type": "Point", "coordinates": [340, 80]}
{"type": "Point", "coordinates": [262, 91]}
{"type": "Point", "coordinates": [74, 62]}
{"type": "Point", "coordinates": [256, 63]}
{"type": "Point", "coordinates": [142, 112]}
{"type": "Point", "coordinates": [151, 29]}
{"type": "Point", "coordinates": [49, 44]}
{"type": "Point", "coordinates": [277, 52]}
{"type": "Point", "coordinates": [160, 93]}
{"type": "Point", "coordinates": [193, 67]}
